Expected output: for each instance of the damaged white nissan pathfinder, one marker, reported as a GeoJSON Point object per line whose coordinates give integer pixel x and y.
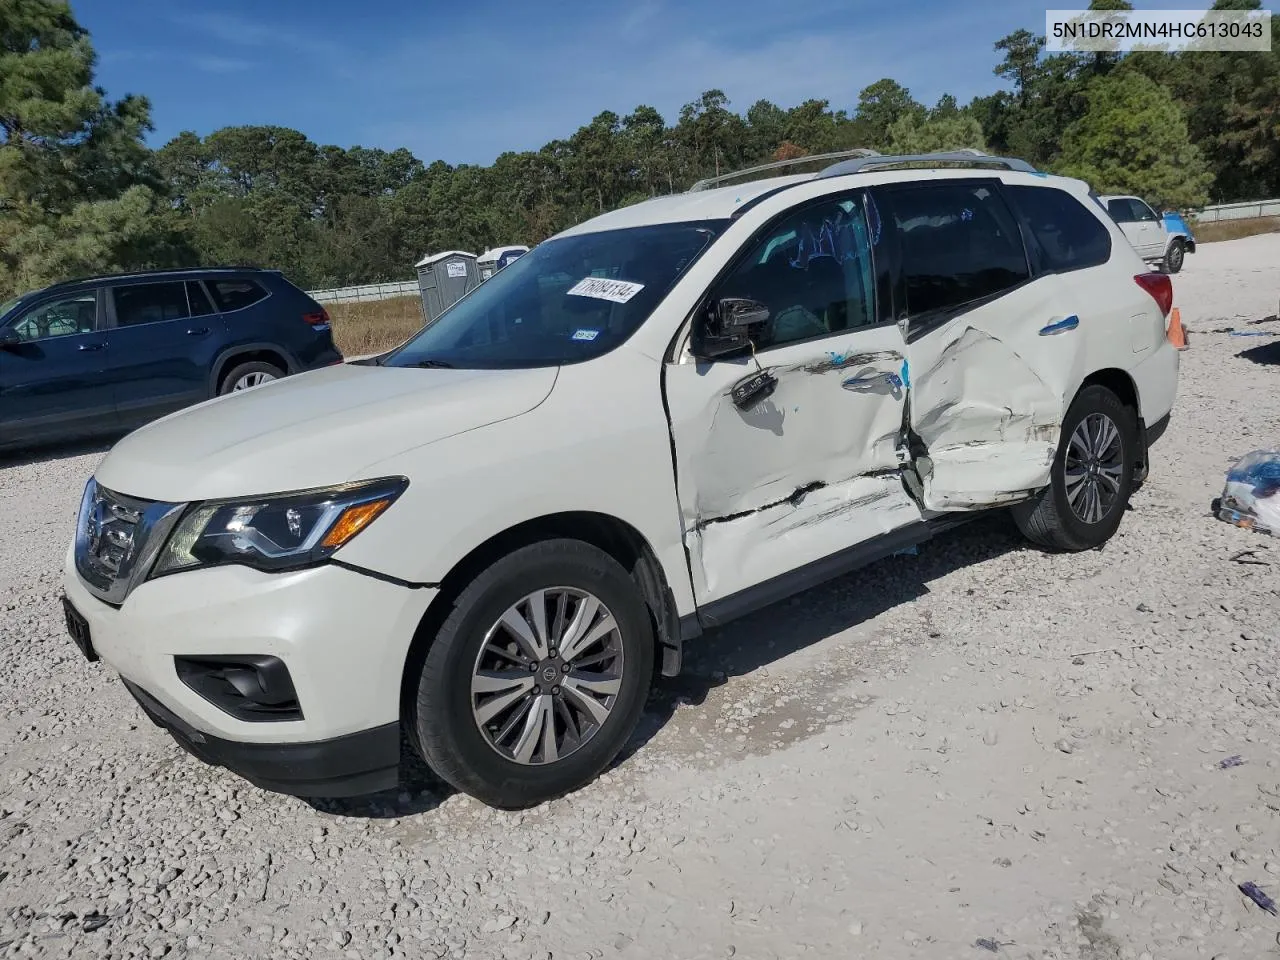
{"type": "Point", "coordinates": [492, 537]}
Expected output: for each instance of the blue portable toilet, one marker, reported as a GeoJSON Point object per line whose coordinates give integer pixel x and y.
{"type": "Point", "coordinates": [491, 261]}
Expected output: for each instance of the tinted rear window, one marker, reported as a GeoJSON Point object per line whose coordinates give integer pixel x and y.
{"type": "Point", "coordinates": [1066, 235]}
{"type": "Point", "coordinates": [236, 294]}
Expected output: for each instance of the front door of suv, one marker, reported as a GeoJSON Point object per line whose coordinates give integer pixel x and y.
{"type": "Point", "coordinates": [53, 375]}
{"type": "Point", "coordinates": [807, 467]}
{"type": "Point", "coordinates": [993, 345]}
{"type": "Point", "coordinates": [163, 337]}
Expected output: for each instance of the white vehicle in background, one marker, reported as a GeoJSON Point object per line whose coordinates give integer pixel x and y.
{"type": "Point", "coordinates": [491, 538]}
{"type": "Point", "coordinates": [1161, 240]}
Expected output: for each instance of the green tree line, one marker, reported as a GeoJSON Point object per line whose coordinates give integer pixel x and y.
{"type": "Point", "coordinates": [80, 192]}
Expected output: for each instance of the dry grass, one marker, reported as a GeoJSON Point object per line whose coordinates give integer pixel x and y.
{"type": "Point", "coordinates": [1235, 229]}
{"type": "Point", "coordinates": [374, 327]}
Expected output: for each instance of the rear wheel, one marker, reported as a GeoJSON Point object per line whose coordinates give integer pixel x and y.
{"type": "Point", "coordinates": [1091, 478]}
{"type": "Point", "coordinates": [247, 375]}
{"type": "Point", "coordinates": [1173, 259]}
{"type": "Point", "coordinates": [538, 676]}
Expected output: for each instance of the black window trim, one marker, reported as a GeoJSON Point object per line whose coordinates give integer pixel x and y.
{"type": "Point", "coordinates": [213, 307]}
{"type": "Point", "coordinates": [920, 325]}
{"type": "Point", "coordinates": [1032, 244]}
{"type": "Point", "coordinates": [687, 331]}
{"type": "Point", "coordinates": [217, 308]}
{"type": "Point", "coordinates": [43, 300]}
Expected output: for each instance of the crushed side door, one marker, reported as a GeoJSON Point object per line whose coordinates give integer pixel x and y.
{"type": "Point", "coordinates": [991, 354]}
{"type": "Point", "coordinates": [792, 455]}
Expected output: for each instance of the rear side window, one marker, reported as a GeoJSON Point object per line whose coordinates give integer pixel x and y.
{"type": "Point", "coordinates": [150, 303]}
{"type": "Point", "coordinates": [236, 294]}
{"type": "Point", "coordinates": [1120, 211]}
{"type": "Point", "coordinates": [1066, 235]}
{"type": "Point", "coordinates": [959, 244]}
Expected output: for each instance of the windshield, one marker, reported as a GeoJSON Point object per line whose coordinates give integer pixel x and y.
{"type": "Point", "coordinates": [9, 305]}
{"type": "Point", "coordinates": [565, 301]}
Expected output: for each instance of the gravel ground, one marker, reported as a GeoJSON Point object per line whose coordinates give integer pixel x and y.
{"type": "Point", "coordinates": [979, 749]}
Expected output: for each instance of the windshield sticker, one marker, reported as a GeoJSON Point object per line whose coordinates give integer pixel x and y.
{"type": "Point", "coordinates": [615, 291]}
{"type": "Point", "coordinates": [585, 334]}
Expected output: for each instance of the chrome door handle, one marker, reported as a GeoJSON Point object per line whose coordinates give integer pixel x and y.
{"type": "Point", "coordinates": [197, 331]}
{"type": "Point", "coordinates": [872, 381]}
{"type": "Point", "coordinates": [1060, 326]}
{"type": "Point", "coordinates": [87, 347]}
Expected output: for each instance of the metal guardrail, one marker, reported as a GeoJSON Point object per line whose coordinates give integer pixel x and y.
{"type": "Point", "coordinates": [1238, 211]}
{"type": "Point", "coordinates": [367, 292]}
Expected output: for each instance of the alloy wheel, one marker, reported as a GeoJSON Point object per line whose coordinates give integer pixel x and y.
{"type": "Point", "coordinates": [1094, 468]}
{"type": "Point", "coordinates": [547, 676]}
{"type": "Point", "coordinates": [251, 380]}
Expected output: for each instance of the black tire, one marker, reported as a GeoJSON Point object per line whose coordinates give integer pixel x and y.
{"type": "Point", "coordinates": [1049, 519]}
{"type": "Point", "coordinates": [1175, 256]}
{"type": "Point", "coordinates": [443, 726]}
{"type": "Point", "coordinates": [238, 372]}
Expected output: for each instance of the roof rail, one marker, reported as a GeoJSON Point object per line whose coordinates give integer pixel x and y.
{"type": "Point", "coordinates": [161, 271]}
{"type": "Point", "coordinates": [968, 156]}
{"type": "Point", "coordinates": [710, 182]}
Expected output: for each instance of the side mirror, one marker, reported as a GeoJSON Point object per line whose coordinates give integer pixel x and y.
{"type": "Point", "coordinates": [727, 327]}
{"type": "Point", "coordinates": [9, 339]}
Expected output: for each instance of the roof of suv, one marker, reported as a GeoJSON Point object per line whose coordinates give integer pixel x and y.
{"type": "Point", "coordinates": [176, 273]}
{"type": "Point", "coordinates": [722, 203]}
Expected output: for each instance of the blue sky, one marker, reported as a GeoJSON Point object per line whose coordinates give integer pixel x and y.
{"type": "Point", "coordinates": [464, 81]}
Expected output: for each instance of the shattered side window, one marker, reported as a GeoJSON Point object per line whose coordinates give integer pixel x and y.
{"type": "Point", "coordinates": [959, 244]}
{"type": "Point", "coordinates": [812, 270]}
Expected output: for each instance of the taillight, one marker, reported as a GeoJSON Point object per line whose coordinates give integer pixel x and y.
{"type": "Point", "coordinates": [1160, 287]}
{"type": "Point", "coordinates": [320, 319]}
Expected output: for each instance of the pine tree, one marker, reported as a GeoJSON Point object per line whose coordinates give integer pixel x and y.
{"type": "Point", "coordinates": [77, 190]}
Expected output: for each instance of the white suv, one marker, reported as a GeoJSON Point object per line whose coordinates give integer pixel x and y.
{"type": "Point", "coordinates": [1149, 234]}
{"type": "Point", "coordinates": [491, 538]}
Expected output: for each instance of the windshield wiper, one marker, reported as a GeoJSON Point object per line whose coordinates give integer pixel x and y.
{"type": "Point", "coordinates": [444, 364]}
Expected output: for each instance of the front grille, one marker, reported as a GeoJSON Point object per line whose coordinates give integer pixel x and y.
{"type": "Point", "coordinates": [117, 539]}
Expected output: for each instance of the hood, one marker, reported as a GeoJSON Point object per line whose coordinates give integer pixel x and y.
{"type": "Point", "coordinates": [312, 430]}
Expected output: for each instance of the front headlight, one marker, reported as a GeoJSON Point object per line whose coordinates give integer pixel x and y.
{"type": "Point", "coordinates": [275, 532]}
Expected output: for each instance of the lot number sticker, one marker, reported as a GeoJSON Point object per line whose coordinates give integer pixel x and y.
{"type": "Point", "coordinates": [616, 291]}
{"type": "Point", "coordinates": [456, 269]}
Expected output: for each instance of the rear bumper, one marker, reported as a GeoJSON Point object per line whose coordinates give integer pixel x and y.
{"type": "Point", "coordinates": [348, 766]}
{"type": "Point", "coordinates": [1156, 378]}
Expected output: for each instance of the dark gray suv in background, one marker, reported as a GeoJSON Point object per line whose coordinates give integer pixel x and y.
{"type": "Point", "coordinates": [104, 355]}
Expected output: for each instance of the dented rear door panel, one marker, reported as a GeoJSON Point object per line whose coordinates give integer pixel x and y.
{"type": "Point", "coordinates": [989, 390]}
{"type": "Point", "coordinates": [993, 352]}
{"type": "Point", "coordinates": [808, 471]}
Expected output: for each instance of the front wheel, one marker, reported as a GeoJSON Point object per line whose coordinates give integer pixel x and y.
{"type": "Point", "coordinates": [1091, 478]}
{"type": "Point", "coordinates": [538, 676]}
{"type": "Point", "coordinates": [1173, 259]}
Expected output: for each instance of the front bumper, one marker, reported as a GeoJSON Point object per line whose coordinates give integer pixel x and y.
{"type": "Point", "coordinates": [344, 637]}
{"type": "Point", "coordinates": [350, 766]}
